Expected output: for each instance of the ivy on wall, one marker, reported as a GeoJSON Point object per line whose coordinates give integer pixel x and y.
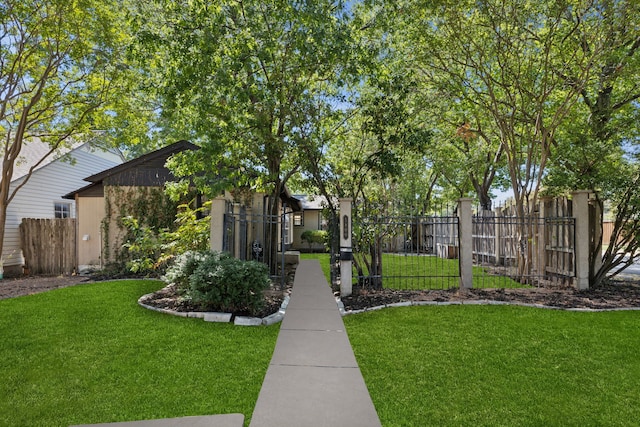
{"type": "Point", "coordinates": [149, 205]}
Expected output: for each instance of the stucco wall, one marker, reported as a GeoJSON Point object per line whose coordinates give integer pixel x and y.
{"type": "Point", "coordinates": [312, 221]}
{"type": "Point", "coordinates": [90, 212]}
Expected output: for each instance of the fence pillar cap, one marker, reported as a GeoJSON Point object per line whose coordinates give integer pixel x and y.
{"type": "Point", "coordinates": [345, 199]}
{"type": "Point", "coordinates": [581, 192]}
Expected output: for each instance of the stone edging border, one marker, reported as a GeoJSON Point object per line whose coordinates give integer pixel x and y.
{"type": "Point", "coordinates": [209, 316]}
{"type": "Point", "coordinates": [344, 312]}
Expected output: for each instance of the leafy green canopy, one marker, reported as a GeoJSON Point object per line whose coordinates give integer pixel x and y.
{"type": "Point", "coordinates": [249, 81]}
{"type": "Point", "coordinates": [61, 64]}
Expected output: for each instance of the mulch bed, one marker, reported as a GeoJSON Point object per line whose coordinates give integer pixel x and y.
{"type": "Point", "coordinates": [167, 298]}
{"type": "Point", "coordinates": [15, 287]}
{"type": "Point", "coordinates": [615, 295]}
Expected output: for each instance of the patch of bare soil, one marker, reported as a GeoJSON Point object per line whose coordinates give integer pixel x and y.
{"type": "Point", "coordinates": [615, 295]}
{"type": "Point", "coordinates": [10, 288]}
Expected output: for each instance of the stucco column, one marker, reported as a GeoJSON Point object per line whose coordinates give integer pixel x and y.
{"type": "Point", "coordinates": [465, 237]}
{"type": "Point", "coordinates": [216, 240]}
{"type": "Point", "coordinates": [346, 251]}
{"type": "Point", "coordinates": [581, 216]}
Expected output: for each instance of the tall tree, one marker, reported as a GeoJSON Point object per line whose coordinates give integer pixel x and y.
{"type": "Point", "coordinates": [596, 145]}
{"type": "Point", "coordinates": [504, 57]}
{"type": "Point", "coordinates": [467, 150]}
{"type": "Point", "coordinates": [59, 63]}
{"type": "Point", "coordinates": [382, 145]}
{"type": "Point", "coordinates": [246, 80]}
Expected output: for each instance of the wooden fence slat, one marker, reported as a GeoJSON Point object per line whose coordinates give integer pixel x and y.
{"type": "Point", "coordinates": [48, 245]}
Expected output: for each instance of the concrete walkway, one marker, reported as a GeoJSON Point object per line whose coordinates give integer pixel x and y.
{"type": "Point", "coordinates": [313, 378]}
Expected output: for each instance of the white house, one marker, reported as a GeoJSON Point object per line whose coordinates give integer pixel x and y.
{"type": "Point", "coordinates": [41, 196]}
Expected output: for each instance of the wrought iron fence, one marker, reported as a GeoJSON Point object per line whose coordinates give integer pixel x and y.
{"type": "Point", "coordinates": [406, 252]}
{"type": "Point", "coordinates": [421, 253]}
{"type": "Point", "coordinates": [258, 237]}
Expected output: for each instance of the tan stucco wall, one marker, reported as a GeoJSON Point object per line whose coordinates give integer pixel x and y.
{"type": "Point", "coordinates": [116, 234]}
{"type": "Point", "coordinates": [312, 221]}
{"type": "Point", "coordinates": [89, 218]}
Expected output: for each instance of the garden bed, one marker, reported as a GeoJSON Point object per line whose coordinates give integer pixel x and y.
{"type": "Point", "coordinates": [618, 294]}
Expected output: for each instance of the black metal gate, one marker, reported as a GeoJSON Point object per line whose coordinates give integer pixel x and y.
{"type": "Point", "coordinates": [406, 252]}
{"type": "Point", "coordinates": [249, 236]}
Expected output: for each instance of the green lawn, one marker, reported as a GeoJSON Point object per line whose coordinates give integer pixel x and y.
{"type": "Point", "coordinates": [324, 260]}
{"type": "Point", "coordinates": [424, 272]}
{"type": "Point", "coordinates": [90, 354]}
{"type": "Point", "coordinates": [499, 365]}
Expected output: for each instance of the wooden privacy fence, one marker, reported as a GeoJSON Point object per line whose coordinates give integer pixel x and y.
{"type": "Point", "coordinates": [49, 245]}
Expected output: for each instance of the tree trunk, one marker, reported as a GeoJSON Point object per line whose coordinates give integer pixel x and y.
{"type": "Point", "coordinates": [376, 263]}
{"type": "Point", "coordinates": [273, 239]}
{"type": "Point", "coordinates": [3, 220]}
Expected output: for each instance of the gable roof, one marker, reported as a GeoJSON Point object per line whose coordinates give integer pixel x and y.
{"type": "Point", "coordinates": [311, 202]}
{"type": "Point", "coordinates": [162, 153]}
{"type": "Point", "coordinates": [33, 151]}
{"type": "Point", "coordinates": [152, 162]}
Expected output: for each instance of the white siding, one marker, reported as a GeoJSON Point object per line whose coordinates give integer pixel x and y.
{"type": "Point", "coordinates": [46, 187]}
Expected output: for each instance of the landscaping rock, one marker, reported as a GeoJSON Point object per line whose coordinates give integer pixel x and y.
{"type": "Point", "coordinates": [217, 317]}
{"type": "Point", "coordinates": [247, 321]}
{"type": "Point", "coordinates": [273, 318]}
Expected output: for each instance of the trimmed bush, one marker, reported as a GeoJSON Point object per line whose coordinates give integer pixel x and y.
{"type": "Point", "coordinates": [315, 236]}
{"type": "Point", "coordinates": [215, 281]}
{"type": "Point", "coordinates": [184, 266]}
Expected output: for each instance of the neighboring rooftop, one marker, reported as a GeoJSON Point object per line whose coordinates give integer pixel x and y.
{"type": "Point", "coordinates": [33, 150]}
{"type": "Point", "coordinates": [311, 202]}
{"type": "Point", "coordinates": [148, 169]}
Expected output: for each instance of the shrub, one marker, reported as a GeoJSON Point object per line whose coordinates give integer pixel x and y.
{"type": "Point", "coordinates": [148, 251]}
{"type": "Point", "coordinates": [184, 266]}
{"type": "Point", "coordinates": [142, 246]}
{"type": "Point", "coordinates": [216, 281]}
{"type": "Point", "coordinates": [315, 236]}
{"type": "Point", "coordinates": [192, 233]}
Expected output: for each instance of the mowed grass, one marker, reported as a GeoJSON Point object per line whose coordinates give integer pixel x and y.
{"type": "Point", "coordinates": [420, 272]}
{"type": "Point", "coordinates": [90, 354]}
{"type": "Point", "coordinates": [499, 366]}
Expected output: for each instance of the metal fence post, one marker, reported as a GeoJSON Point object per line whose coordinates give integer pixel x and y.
{"type": "Point", "coordinates": [497, 230]}
{"type": "Point", "coordinates": [596, 227]}
{"type": "Point", "coordinates": [581, 215]}
{"type": "Point", "coordinates": [346, 251]}
{"type": "Point", "coordinates": [216, 240]}
{"type": "Point", "coordinates": [466, 242]}
{"type": "Point", "coordinates": [543, 236]}
{"type": "Point", "coordinates": [236, 235]}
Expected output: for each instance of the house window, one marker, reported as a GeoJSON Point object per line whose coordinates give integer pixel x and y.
{"type": "Point", "coordinates": [298, 219]}
{"type": "Point", "coordinates": [62, 210]}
